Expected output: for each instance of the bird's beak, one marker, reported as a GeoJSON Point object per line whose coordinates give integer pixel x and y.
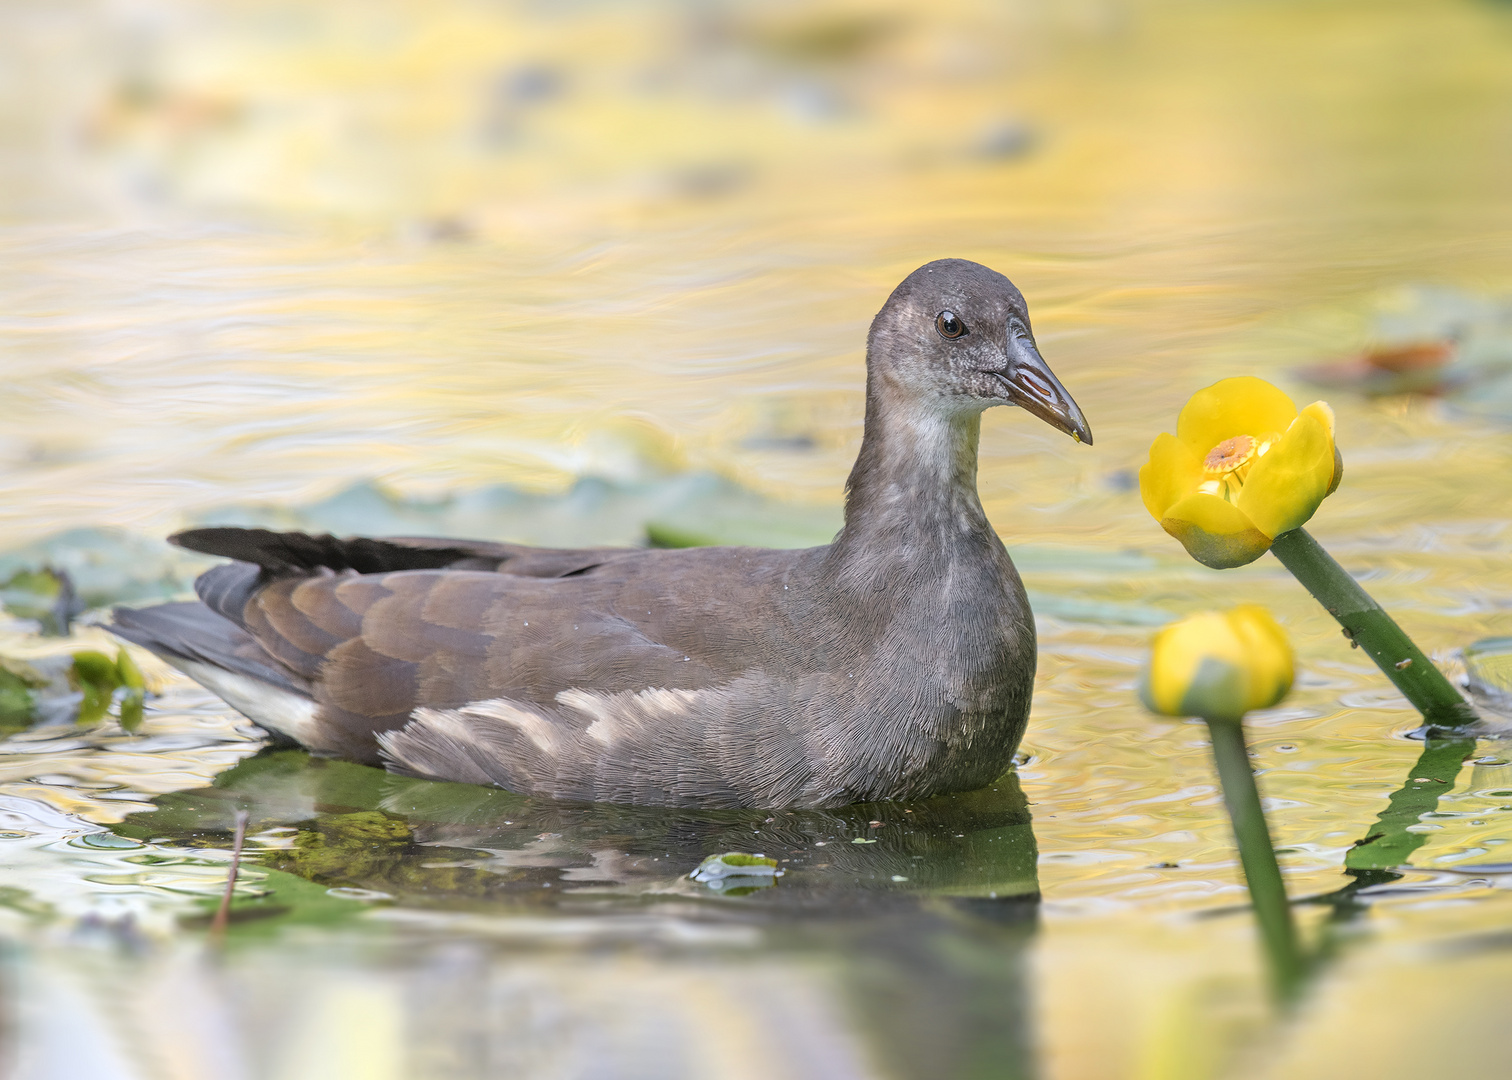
{"type": "Point", "coordinates": [1030, 384]}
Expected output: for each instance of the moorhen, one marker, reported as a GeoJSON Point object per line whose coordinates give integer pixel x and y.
{"type": "Point", "coordinates": [894, 663]}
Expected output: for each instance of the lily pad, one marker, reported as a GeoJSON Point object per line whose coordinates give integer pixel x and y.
{"type": "Point", "coordinates": [45, 595]}
{"type": "Point", "coordinates": [103, 680]}
{"type": "Point", "coordinates": [107, 566]}
{"type": "Point", "coordinates": [78, 688]}
{"type": "Point", "coordinates": [19, 682]}
{"type": "Point", "coordinates": [677, 510]}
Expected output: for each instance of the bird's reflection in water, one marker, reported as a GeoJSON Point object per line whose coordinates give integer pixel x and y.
{"type": "Point", "coordinates": [911, 944]}
{"type": "Point", "coordinates": [344, 825]}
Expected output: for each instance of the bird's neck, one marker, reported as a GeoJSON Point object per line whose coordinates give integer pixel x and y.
{"type": "Point", "coordinates": [913, 490]}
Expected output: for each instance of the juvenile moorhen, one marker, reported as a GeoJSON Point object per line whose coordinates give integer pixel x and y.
{"type": "Point", "coordinates": [894, 663]}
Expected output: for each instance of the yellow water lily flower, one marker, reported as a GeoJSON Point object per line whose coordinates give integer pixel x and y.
{"type": "Point", "coordinates": [1218, 665]}
{"type": "Point", "coordinates": [1243, 467]}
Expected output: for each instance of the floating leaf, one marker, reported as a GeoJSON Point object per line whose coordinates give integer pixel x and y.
{"type": "Point", "coordinates": [105, 566]}
{"type": "Point", "coordinates": [17, 703]}
{"type": "Point", "coordinates": [101, 679]}
{"type": "Point", "coordinates": [96, 676]}
{"type": "Point", "coordinates": [134, 691]}
{"type": "Point", "coordinates": [131, 710]}
{"type": "Point", "coordinates": [1432, 341]}
{"type": "Point", "coordinates": [735, 873]}
{"type": "Point", "coordinates": [46, 595]}
{"type": "Point", "coordinates": [130, 674]}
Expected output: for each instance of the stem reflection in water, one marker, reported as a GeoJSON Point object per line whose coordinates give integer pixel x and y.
{"type": "Point", "coordinates": [1380, 856]}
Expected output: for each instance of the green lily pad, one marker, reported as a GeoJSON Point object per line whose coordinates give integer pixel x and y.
{"type": "Point", "coordinates": [737, 874]}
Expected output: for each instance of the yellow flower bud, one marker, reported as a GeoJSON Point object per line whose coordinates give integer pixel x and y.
{"type": "Point", "coordinates": [1243, 467]}
{"type": "Point", "coordinates": [1218, 665]}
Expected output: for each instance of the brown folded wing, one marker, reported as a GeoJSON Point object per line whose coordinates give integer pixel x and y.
{"type": "Point", "coordinates": [377, 646]}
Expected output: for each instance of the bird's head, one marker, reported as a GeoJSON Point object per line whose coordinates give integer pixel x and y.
{"type": "Point", "coordinates": [955, 336]}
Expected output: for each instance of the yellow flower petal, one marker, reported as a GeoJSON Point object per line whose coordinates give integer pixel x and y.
{"type": "Point", "coordinates": [1214, 532]}
{"type": "Point", "coordinates": [1324, 414]}
{"type": "Point", "coordinates": [1240, 406]}
{"type": "Point", "coordinates": [1176, 654]}
{"type": "Point", "coordinates": [1172, 473]}
{"type": "Point", "coordinates": [1285, 486]}
{"type": "Point", "coordinates": [1272, 469]}
{"type": "Point", "coordinates": [1218, 665]}
{"type": "Point", "coordinates": [1198, 667]}
{"type": "Point", "coordinates": [1168, 674]}
{"type": "Point", "coordinates": [1321, 410]}
{"type": "Point", "coordinates": [1268, 654]}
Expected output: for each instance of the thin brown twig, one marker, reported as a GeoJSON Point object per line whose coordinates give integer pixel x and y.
{"type": "Point", "coordinates": [223, 913]}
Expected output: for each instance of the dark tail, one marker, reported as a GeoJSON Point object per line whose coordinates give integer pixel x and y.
{"type": "Point", "coordinates": [281, 553]}
{"type": "Point", "coordinates": [192, 631]}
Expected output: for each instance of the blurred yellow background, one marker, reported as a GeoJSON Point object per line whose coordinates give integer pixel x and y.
{"type": "Point", "coordinates": [260, 249]}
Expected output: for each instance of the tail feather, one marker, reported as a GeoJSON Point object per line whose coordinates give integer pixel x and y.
{"type": "Point", "coordinates": [296, 552]}
{"type": "Point", "coordinates": [196, 633]}
{"type": "Point", "coordinates": [225, 589]}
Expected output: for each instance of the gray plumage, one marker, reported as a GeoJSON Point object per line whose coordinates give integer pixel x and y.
{"type": "Point", "coordinates": [896, 662]}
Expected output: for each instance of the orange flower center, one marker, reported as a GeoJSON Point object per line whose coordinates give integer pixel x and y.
{"type": "Point", "coordinates": [1227, 464]}
{"type": "Point", "coordinates": [1229, 455]}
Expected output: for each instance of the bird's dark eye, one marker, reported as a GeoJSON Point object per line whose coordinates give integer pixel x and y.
{"type": "Point", "coordinates": [949, 325]}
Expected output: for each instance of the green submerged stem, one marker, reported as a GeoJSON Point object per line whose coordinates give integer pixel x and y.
{"type": "Point", "coordinates": [1278, 934]}
{"type": "Point", "coordinates": [1367, 625]}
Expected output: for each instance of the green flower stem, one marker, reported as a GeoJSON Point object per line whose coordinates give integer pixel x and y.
{"type": "Point", "coordinates": [1278, 934]}
{"type": "Point", "coordinates": [1368, 626]}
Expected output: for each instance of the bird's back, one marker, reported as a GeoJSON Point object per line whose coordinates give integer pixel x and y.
{"type": "Point", "coordinates": [707, 676]}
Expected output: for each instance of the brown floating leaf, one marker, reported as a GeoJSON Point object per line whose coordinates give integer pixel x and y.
{"type": "Point", "coordinates": [1418, 367]}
